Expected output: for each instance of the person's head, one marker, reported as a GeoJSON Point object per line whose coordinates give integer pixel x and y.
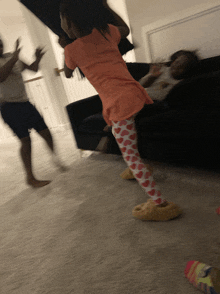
{"type": "Point", "coordinates": [1, 47]}
{"type": "Point", "coordinates": [83, 16]}
{"type": "Point", "coordinates": [182, 63]}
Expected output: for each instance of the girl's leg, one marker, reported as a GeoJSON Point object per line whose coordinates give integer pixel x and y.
{"type": "Point", "coordinates": [126, 136]}
{"type": "Point", "coordinates": [156, 208]}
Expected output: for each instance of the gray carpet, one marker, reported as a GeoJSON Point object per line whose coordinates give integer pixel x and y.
{"type": "Point", "coordinates": [77, 235]}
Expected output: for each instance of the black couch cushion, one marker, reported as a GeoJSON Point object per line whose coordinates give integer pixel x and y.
{"type": "Point", "coordinates": [208, 65]}
{"type": "Point", "coordinates": [93, 123]}
{"type": "Point", "coordinates": [196, 92]}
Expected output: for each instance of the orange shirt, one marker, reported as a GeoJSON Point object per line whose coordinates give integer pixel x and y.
{"type": "Point", "coordinates": [102, 64]}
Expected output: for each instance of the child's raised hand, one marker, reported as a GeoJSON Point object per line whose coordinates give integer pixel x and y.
{"type": "Point", "coordinates": [17, 49]}
{"type": "Point", "coordinates": [155, 70]}
{"type": "Point", "coordinates": [39, 53]}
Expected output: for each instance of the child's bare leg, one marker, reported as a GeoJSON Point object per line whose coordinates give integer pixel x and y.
{"type": "Point", "coordinates": [46, 135]}
{"type": "Point", "coordinates": [103, 143]}
{"type": "Point", "coordinates": [25, 152]}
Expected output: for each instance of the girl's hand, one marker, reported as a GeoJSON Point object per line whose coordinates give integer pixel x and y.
{"type": "Point", "coordinates": [64, 42]}
{"type": "Point", "coordinates": [155, 70]}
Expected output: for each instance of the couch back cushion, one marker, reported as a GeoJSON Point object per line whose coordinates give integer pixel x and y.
{"type": "Point", "coordinates": [208, 65]}
{"type": "Point", "coordinates": [196, 92]}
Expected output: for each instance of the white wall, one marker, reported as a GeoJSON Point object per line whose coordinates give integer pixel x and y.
{"type": "Point", "coordinates": [145, 12]}
{"type": "Point", "coordinates": [12, 27]}
{"type": "Point", "coordinates": [119, 6]}
{"type": "Point", "coordinates": [48, 94]}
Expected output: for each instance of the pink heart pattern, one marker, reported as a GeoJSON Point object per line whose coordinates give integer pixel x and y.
{"type": "Point", "coordinates": [117, 130]}
{"type": "Point", "coordinates": [126, 129]}
{"type": "Point", "coordinates": [123, 149]}
{"type": "Point", "coordinates": [139, 175]}
{"type": "Point", "coordinates": [124, 133]}
{"type": "Point", "coordinates": [146, 184]}
{"type": "Point", "coordinates": [132, 137]}
{"type": "Point", "coordinates": [147, 175]}
{"type": "Point", "coordinates": [130, 151]}
{"type": "Point", "coordinates": [123, 123]}
{"type": "Point", "coordinates": [120, 140]}
{"type": "Point", "coordinates": [141, 166]}
{"type": "Point", "coordinates": [127, 142]}
{"type": "Point", "coordinates": [153, 184]}
{"type": "Point", "coordinates": [152, 192]}
{"type": "Point", "coordinates": [158, 201]}
{"type": "Point", "coordinates": [129, 127]}
{"type": "Point", "coordinates": [134, 158]}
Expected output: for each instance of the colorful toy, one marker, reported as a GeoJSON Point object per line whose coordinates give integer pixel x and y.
{"type": "Point", "coordinates": [203, 276]}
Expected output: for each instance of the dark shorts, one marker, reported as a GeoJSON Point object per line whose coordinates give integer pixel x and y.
{"type": "Point", "coordinates": [22, 117]}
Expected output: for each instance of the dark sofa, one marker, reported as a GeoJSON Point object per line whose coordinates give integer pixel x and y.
{"type": "Point", "coordinates": [182, 130]}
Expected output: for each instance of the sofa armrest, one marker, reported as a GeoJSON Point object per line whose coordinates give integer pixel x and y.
{"type": "Point", "coordinates": [138, 70]}
{"type": "Point", "coordinates": [79, 110]}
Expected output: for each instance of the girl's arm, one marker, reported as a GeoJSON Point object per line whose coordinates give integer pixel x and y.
{"type": "Point", "coordinates": [68, 72]}
{"type": "Point", "coordinates": [151, 77]}
{"type": "Point", "coordinates": [118, 22]}
{"type": "Point", "coordinates": [124, 31]}
{"type": "Point", "coordinates": [147, 80]}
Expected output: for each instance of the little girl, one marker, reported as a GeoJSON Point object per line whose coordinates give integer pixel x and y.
{"type": "Point", "coordinates": [95, 52]}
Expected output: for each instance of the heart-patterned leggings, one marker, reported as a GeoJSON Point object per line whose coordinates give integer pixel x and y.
{"type": "Point", "coordinates": [126, 136]}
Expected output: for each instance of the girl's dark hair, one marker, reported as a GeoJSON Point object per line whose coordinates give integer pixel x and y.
{"type": "Point", "coordinates": [192, 55]}
{"type": "Point", "coordinates": [192, 64]}
{"type": "Point", "coordinates": [87, 15]}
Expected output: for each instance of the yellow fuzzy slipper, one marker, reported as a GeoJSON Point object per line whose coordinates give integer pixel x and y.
{"type": "Point", "coordinates": [128, 175]}
{"type": "Point", "coordinates": [150, 211]}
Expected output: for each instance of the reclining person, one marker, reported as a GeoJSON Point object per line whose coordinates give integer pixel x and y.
{"type": "Point", "coordinates": [162, 77]}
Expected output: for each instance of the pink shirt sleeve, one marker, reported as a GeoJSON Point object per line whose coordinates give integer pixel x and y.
{"type": "Point", "coordinates": [115, 34]}
{"type": "Point", "coordinates": [70, 63]}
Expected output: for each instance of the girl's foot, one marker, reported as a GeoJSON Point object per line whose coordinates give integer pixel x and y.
{"type": "Point", "coordinates": [103, 145]}
{"type": "Point", "coordinates": [128, 175]}
{"type": "Point", "coordinates": [152, 212]}
{"type": "Point", "coordinates": [37, 184]}
{"type": "Point", "coordinates": [203, 276]}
